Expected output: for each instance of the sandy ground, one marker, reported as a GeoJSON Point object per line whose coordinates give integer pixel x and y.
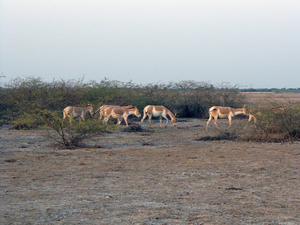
{"type": "Point", "coordinates": [166, 176]}
{"type": "Point", "coordinates": [262, 98]}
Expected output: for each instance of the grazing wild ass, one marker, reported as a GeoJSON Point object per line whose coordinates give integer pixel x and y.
{"type": "Point", "coordinates": [223, 112]}
{"type": "Point", "coordinates": [120, 112]}
{"type": "Point", "coordinates": [73, 111]}
{"type": "Point", "coordinates": [161, 111]}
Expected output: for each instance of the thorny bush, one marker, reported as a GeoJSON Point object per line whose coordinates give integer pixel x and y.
{"type": "Point", "coordinates": [71, 133]}
{"type": "Point", "coordinates": [276, 122]}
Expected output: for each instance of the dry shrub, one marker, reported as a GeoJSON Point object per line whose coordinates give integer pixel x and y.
{"type": "Point", "coordinates": [71, 135]}
{"type": "Point", "coordinates": [275, 124]}
{"type": "Point", "coordinates": [25, 122]}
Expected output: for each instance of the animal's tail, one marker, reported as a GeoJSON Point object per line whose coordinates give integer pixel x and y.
{"type": "Point", "coordinates": [100, 108]}
{"type": "Point", "coordinates": [212, 109]}
{"type": "Point", "coordinates": [145, 111]}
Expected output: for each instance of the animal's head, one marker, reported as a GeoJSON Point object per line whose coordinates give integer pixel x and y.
{"type": "Point", "coordinates": [90, 109]}
{"type": "Point", "coordinates": [174, 120]}
{"type": "Point", "coordinates": [137, 113]}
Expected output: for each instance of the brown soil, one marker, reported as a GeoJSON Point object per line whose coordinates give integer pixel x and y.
{"type": "Point", "coordinates": [265, 97]}
{"type": "Point", "coordinates": [160, 177]}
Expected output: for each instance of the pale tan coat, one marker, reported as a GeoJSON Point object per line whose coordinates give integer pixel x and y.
{"type": "Point", "coordinates": [119, 113]}
{"type": "Point", "coordinates": [103, 107]}
{"type": "Point", "coordinates": [73, 111]}
{"type": "Point", "coordinates": [158, 111]}
{"type": "Point", "coordinates": [225, 112]}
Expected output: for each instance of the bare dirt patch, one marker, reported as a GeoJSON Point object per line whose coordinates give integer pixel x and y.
{"type": "Point", "coordinates": [262, 97]}
{"type": "Point", "coordinates": [160, 177]}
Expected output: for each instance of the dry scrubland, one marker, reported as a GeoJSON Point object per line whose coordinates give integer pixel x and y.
{"type": "Point", "coordinates": [261, 97]}
{"type": "Point", "coordinates": [166, 176]}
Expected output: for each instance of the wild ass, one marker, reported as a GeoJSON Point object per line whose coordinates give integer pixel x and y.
{"type": "Point", "coordinates": [120, 112]}
{"type": "Point", "coordinates": [223, 112]}
{"type": "Point", "coordinates": [73, 111]}
{"type": "Point", "coordinates": [103, 107]}
{"type": "Point", "coordinates": [158, 110]}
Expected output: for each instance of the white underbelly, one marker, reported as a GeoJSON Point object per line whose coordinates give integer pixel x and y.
{"type": "Point", "coordinates": [155, 114]}
{"type": "Point", "coordinates": [74, 114]}
{"type": "Point", "coordinates": [223, 115]}
{"type": "Point", "coordinates": [117, 116]}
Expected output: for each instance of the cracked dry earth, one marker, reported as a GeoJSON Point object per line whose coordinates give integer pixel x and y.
{"type": "Point", "coordinates": [160, 177]}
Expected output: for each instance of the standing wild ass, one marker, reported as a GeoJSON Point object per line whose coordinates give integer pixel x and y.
{"type": "Point", "coordinates": [223, 112]}
{"type": "Point", "coordinates": [158, 110]}
{"type": "Point", "coordinates": [103, 107]}
{"type": "Point", "coordinates": [119, 112]}
{"type": "Point", "coordinates": [73, 111]}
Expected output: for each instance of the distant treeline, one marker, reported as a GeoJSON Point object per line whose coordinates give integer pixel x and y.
{"type": "Point", "coordinates": [31, 95]}
{"type": "Point", "coordinates": [275, 90]}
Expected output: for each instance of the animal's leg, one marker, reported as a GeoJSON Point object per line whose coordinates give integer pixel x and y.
{"type": "Point", "coordinates": [254, 118]}
{"type": "Point", "coordinates": [229, 118]}
{"type": "Point", "coordinates": [102, 113]}
{"type": "Point", "coordinates": [125, 119]}
{"type": "Point", "coordinates": [119, 121]}
{"type": "Point", "coordinates": [149, 119]}
{"type": "Point", "coordinates": [165, 116]}
{"type": "Point", "coordinates": [160, 119]}
{"type": "Point", "coordinates": [250, 118]}
{"type": "Point", "coordinates": [210, 118]}
{"type": "Point", "coordinates": [145, 115]}
{"type": "Point", "coordinates": [215, 122]}
{"type": "Point", "coordinates": [105, 119]}
{"type": "Point", "coordinates": [70, 119]}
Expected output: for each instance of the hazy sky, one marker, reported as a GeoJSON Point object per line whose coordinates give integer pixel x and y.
{"type": "Point", "coordinates": [252, 43]}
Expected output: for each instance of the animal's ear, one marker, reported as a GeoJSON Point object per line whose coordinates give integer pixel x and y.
{"type": "Point", "coordinates": [175, 114]}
